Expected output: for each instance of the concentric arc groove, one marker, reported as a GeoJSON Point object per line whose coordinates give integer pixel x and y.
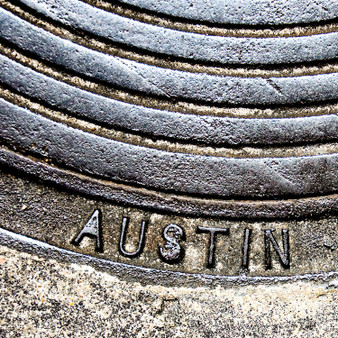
{"type": "Point", "coordinates": [185, 45]}
{"type": "Point", "coordinates": [260, 13]}
{"type": "Point", "coordinates": [91, 85]}
{"type": "Point", "coordinates": [167, 83]}
{"type": "Point", "coordinates": [101, 44]}
{"type": "Point", "coordinates": [171, 172]}
{"type": "Point", "coordinates": [183, 205]}
{"type": "Point", "coordinates": [208, 28]}
{"type": "Point", "coordinates": [186, 147]}
{"type": "Point", "coordinates": [160, 123]}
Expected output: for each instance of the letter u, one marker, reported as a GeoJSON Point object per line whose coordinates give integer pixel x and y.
{"type": "Point", "coordinates": [141, 242]}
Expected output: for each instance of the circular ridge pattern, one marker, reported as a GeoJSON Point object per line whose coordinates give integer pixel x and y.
{"type": "Point", "coordinates": [187, 45]}
{"type": "Point", "coordinates": [210, 130]}
{"type": "Point", "coordinates": [167, 171]}
{"type": "Point", "coordinates": [170, 84]}
{"type": "Point", "coordinates": [208, 28]}
{"type": "Point", "coordinates": [243, 12]}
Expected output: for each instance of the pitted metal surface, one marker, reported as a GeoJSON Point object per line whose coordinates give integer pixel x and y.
{"type": "Point", "coordinates": [201, 119]}
{"type": "Point", "coordinates": [244, 12]}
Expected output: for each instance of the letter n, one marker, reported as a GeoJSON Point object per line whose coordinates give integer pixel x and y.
{"type": "Point", "coordinates": [284, 257]}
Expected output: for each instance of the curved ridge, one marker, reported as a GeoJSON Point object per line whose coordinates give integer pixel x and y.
{"type": "Point", "coordinates": [213, 28]}
{"type": "Point", "coordinates": [160, 123]}
{"type": "Point", "coordinates": [182, 106]}
{"type": "Point", "coordinates": [243, 12]}
{"type": "Point", "coordinates": [149, 275]}
{"type": "Point", "coordinates": [190, 46]}
{"type": "Point", "coordinates": [164, 171]}
{"type": "Point", "coordinates": [164, 82]}
{"type": "Point", "coordinates": [148, 199]}
{"type": "Point", "coordinates": [167, 178]}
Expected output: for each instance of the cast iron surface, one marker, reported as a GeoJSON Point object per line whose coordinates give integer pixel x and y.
{"type": "Point", "coordinates": [204, 108]}
{"type": "Point", "coordinates": [145, 275]}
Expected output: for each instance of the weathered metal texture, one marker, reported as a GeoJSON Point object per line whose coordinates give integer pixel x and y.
{"type": "Point", "coordinates": [244, 12]}
{"type": "Point", "coordinates": [168, 248]}
{"type": "Point", "coordinates": [204, 109]}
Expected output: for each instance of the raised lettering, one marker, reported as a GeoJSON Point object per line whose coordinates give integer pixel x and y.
{"type": "Point", "coordinates": [91, 229]}
{"type": "Point", "coordinates": [140, 247]}
{"type": "Point", "coordinates": [212, 241]}
{"type": "Point", "coordinates": [173, 251]}
{"type": "Point", "coordinates": [246, 249]}
{"type": "Point", "coordinates": [284, 257]}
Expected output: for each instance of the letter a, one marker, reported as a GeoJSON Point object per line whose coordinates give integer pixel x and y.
{"type": "Point", "coordinates": [91, 229]}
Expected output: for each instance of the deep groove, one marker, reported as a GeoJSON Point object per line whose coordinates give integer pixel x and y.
{"type": "Point", "coordinates": [161, 59]}
{"type": "Point", "coordinates": [70, 72]}
{"type": "Point", "coordinates": [206, 23]}
{"type": "Point", "coordinates": [31, 155]}
{"type": "Point", "coordinates": [154, 138]}
{"type": "Point", "coordinates": [172, 172]}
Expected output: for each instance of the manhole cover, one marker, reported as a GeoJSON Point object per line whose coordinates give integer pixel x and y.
{"type": "Point", "coordinates": [172, 141]}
